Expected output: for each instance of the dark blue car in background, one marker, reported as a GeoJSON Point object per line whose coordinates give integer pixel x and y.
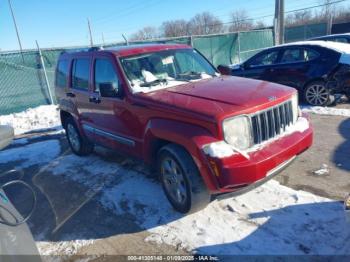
{"type": "Point", "coordinates": [317, 69]}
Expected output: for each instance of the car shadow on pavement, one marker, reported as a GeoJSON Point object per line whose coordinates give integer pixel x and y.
{"type": "Point", "coordinates": [341, 154]}
{"type": "Point", "coordinates": [304, 229]}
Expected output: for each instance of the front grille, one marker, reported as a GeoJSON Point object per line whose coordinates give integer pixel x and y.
{"type": "Point", "coordinates": [270, 123]}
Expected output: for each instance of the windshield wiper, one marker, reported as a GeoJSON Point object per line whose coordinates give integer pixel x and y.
{"type": "Point", "coordinates": [154, 83]}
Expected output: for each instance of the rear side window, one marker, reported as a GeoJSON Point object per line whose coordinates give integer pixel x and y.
{"type": "Point", "coordinates": [62, 73]}
{"type": "Point", "coordinates": [294, 55]}
{"type": "Point", "coordinates": [268, 58]}
{"type": "Point", "coordinates": [81, 73]}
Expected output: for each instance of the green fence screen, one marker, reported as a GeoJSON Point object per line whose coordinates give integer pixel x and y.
{"type": "Point", "coordinates": [304, 32]}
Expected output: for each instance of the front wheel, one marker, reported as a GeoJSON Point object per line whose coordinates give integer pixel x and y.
{"type": "Point", "coordinates": [317, 94]}
{"type": "Point", "coordinates": [181, 180]}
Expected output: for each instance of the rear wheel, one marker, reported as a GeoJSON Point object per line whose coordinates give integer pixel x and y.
{"type": "Point", "coordinates": [181, 179]}
{"type": "Point", "coordinates": [317, 94]}
{"type": "Point", "coordinates": [77, 142]}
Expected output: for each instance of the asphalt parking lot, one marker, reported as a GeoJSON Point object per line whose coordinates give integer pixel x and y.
{"type": "Point", "coordinates": [71, 220]}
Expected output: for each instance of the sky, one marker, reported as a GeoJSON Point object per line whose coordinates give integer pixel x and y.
{"type": "Point", "coordinates": [58, 23]}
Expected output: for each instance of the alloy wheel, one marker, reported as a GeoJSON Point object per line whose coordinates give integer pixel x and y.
{"type": "Point", "coordinates": [174, 180]}
{"type": "Point", "coordinates": [73, 137]}
{"type": "Point", "coordinates": [317, 95]}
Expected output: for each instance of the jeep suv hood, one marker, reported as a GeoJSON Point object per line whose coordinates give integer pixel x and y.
{"type": "Point", "coordinates": [224, 94]}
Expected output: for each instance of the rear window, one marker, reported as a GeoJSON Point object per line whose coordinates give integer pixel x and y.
{"type": "Point", "coordinates": [81, 73]}
{"type": "Point", "coordinates": [62, 73]}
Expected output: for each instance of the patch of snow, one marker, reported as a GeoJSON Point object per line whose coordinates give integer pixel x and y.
{"type": "Point", "coordinates": [41, 117]}
{"type": "Point", "coordinates": [324, 170]}
{"type": "Point", "coordinates": [32, 154]}
{"type": "Point", "coordinates": [342, 48]}
{"type": "Point", "coordinates": [272, 219]}
{"type": "Point", "coordinates": [326, 110]}
{"type": "Point", "coordinates": [219, 149]}
{"type": "Point", "coordinates": [62, 248]}
{"type": "Point", "coordinates": [301, 125]}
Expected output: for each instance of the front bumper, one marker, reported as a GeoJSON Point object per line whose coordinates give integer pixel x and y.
{"type": "Point", "coordinates": [271, 174]}
{"type": "Point", "coordinates": [238, 174]}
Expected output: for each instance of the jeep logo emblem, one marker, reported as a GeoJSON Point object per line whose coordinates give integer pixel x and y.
{"type": "Point", "coordinates": [272, 98]}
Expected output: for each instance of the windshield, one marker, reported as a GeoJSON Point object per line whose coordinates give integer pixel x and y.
{"type": "Point", "coordinates": [167, 68]}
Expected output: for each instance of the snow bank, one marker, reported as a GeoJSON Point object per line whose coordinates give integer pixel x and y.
{"type": "Point", "coordinates": [41, 117]}
{"type": "Point", "coordinates": [326, 110]}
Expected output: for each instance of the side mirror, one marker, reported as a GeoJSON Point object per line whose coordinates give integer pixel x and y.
{"type": "Point", "coordinates": [224, 69]}
{"type": "Point", "coordinates": [109, 89]}
{"type": "Point", "coordinates": [244, 66]}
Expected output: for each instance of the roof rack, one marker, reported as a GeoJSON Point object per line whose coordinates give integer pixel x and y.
{"type": "Point", "coordinates": [86, 49]}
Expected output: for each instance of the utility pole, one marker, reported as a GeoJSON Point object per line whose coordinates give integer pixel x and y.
{"type": "Point", "coordinates": [15, 23]}
{"type": "Point", "coordinates": [91, 42]}
{"type": "Point", "coordinates": [281, 16]}
{"type": "Point", "coordinates": [103, 40]}
{"type": "Point", "coordinates": [279, 22]}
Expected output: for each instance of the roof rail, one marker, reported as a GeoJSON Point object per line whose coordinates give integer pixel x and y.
{"type": "Point", "coordinates": [95, 48]}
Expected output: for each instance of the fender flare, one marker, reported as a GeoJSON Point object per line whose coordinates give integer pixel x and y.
{"type": "Point", "coordinates": [189, 136]}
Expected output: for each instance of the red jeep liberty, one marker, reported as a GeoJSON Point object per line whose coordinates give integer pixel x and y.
{"type": "Point", "coordinates": [209, 136]}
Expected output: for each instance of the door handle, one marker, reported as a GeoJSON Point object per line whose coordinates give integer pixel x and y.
{"type": "Point", "coordinates": [70, 94]}
{"type": "Point", "coordinates": [95, 100]}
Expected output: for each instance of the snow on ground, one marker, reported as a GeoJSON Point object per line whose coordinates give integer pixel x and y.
{"type": "Point", "coordinates": [32, 119]}
{"type": "Point", "coordinates": [272, 219]}
{"type": "Point", "coordinates": [333, 111]}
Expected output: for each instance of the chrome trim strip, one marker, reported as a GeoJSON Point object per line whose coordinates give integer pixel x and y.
{"type": "Point", "coordinates": [119, 139]}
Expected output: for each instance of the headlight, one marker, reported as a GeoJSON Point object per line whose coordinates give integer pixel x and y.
{"type": "Point", "coordinates": [237, 132]}
{"type": "Point", "coordinates": [295, 106]}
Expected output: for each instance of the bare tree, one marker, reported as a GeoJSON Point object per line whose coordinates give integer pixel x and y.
{"type": "Point", "coordinates": [146, 33]}
{"type": "Point", "coordinates": [175, 28]}
{"type": "Point", "coordinates": [240, 21]}
{"type": "Point", "coordinates": [299, 18]}
{"type": "Point", "coordinates": [205, 23]}
{"type": "Point", "coordinates": [259, 25]}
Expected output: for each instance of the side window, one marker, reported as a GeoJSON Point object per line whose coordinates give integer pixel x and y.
{"type": "Point", "coordinates": [310, 54]}
{"type": "Point", "coordinates": [62, 73]}
{"type": "Point", "coordinates": [81, 73]}
{"type": "Point", "coordinates": [298, 55]}
{"type": "Point", "coordinates": [106, 79]}
{"type": "Point", "coordinates": [292, 56]}
{"type": "Point", "coordinates": [268, 58]}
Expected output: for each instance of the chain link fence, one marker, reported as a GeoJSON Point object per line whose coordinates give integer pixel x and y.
{"type": "Point", "coordinates": [23, 83]}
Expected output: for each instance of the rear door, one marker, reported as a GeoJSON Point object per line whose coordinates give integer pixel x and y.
{"type": "Point", "coordinates": [80, 88]}
{"type": "Point", "coordinates": [295, 65]}
{"type": "Point", "coordinates": [261, 66]}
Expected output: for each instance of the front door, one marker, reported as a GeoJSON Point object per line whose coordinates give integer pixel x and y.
{"type": "Point", "coordinates": [261, 66]}
{"type": "Point", "coordinates": [114, 124]}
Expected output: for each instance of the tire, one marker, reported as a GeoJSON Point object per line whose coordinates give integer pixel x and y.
{"type": "Point", "coordinates": [183, 187]}
{"type": "Point", "coordinates": [317, 94]}
{"type": "Point", "coordinates": [77, 142]}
